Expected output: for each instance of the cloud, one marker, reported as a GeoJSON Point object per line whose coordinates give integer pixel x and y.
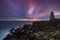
{"type": "Point", "coordinates": [19, 8]}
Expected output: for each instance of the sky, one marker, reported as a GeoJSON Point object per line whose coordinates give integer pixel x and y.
{"type": "Point", "coordinates": [28, 8]}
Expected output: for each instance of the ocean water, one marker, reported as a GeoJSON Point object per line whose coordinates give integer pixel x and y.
{"type": "Point", "coordinates": [5, 26]}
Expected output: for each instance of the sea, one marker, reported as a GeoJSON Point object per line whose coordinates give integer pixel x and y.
{"type": "Point", "coordinates": [5, 26]}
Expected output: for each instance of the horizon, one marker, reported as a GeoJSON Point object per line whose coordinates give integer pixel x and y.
{"type": "Point", "coordinates": [28, 19]}
{"type": "Point", "coordinates": [25, 19]}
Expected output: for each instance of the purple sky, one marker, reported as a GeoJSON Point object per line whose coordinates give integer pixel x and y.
{"type": "Point", "coordinates": [29, 8]}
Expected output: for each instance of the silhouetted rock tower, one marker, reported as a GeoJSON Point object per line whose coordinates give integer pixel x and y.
{"type": "Point", "coordinates": [52, 18]}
